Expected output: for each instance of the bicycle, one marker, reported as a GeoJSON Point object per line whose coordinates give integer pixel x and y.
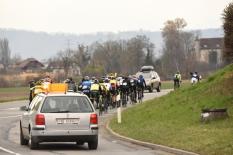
{"type": "Point", "coordinates": [176, 84]}
{"type": "Point", "coordinates": [133, 95]}
{"type": "Point", "coordinates": [140, 95]}
{"type": "Point", "coordinates": [101, 105]}
{"type": "Point", "coordinates": [123, 99]}
{"type": "Point", "coordinates": [95, 99]}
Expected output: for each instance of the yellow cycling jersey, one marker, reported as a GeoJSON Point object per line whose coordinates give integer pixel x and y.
{"type": "Point", "coordinates": [103, 87]}
{"type": "Point", "coordinates": [95, 87]}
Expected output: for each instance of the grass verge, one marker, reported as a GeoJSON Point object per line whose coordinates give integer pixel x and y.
{"type": "Point", "coordinates": [174, 120]}
{"type": "Point", "coordinates": [13, 94]}
{"type": "Point", "coordinates": [170, 84]}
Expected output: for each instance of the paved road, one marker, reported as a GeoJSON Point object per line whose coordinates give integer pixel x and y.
{"type": "Point", "coordinates": [9, 137]}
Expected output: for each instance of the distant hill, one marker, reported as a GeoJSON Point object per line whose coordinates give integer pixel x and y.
{"type": "Point", "coordinates": [42, 45]}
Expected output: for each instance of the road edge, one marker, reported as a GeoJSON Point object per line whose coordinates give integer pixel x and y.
{"type": "Point", "coordinates": [147, 144]}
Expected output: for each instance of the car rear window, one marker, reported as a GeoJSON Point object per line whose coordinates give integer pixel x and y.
{"type": "Point", "coordinates": [146, 75]}
{"type": "Point", "coordinates": [66, 104]}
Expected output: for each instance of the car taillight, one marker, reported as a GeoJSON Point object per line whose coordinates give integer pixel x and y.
{"type": "Point", "coordinates": [40, 120]}
{"type": "Point", "coordinates": [94, 119]}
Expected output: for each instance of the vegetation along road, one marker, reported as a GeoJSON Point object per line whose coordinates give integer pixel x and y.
{"type": "Point", "coordinates": [174, 120]}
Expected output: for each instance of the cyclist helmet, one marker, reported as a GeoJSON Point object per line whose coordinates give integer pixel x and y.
{"type": "Point", "coordinates": [106, 80]}
{"type": "Point", "coordinates": [86, 78]}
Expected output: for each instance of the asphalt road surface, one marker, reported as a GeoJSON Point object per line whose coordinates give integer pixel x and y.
{"type": "Point", "coordinates": [9, 137]}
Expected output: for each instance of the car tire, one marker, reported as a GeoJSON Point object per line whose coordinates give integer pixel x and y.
{"type": "Point", "coordinates": [92, 145]}
{"type": "Point", "coordinates": [33, 143]}
{"type": "Point", "coordinates": [150, 89]}
{"type": "Point", "coordinates": [158, 88]}
{"type": "Point", "coordinates": [23, 141]}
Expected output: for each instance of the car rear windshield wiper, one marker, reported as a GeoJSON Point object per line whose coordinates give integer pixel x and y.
{"type": "Point", "coordinates": [61, 111]}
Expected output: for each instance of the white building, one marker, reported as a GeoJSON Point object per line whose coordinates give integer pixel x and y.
{"type": "Point", "coordinates": [209, 50]}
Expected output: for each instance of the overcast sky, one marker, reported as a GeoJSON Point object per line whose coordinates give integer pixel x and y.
{"type": "Point", "coordinates": [87, 16]}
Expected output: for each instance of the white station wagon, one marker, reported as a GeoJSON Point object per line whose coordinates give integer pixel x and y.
{"type": "Point", "coordinates": [60, 117]}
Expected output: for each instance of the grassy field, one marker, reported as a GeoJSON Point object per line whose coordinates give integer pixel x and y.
{"type": "Point", "coordinates": [174, 120]}
{"type": "Point", "coordinates": [11, 94]}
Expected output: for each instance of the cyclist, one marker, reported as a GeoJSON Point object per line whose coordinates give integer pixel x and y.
{"type": "Point", "coordinates": [104, 93]}
{"type": "Point", "coordinates": [71, 84]}
{"type": "Point", "coordinates": [133, 89]}
{"type": "Point", "coordinates": [95, 91]}
{"type": "Point", "coordinates": [108, 87]}
{"type": "Point", "coordinates": [195, 78]}
{"type": "Point", "coordinates": [141, 84]}
{"type": "Point", "coordinates": [86, 86]}
{"type": "Point", "coordinates": [32, 88]}
{"type": "Point", "coordinates": [177, 80]}
{"type": "Point", "coordinates": [124, 90]}
{"type": "Point", "coordinates": [113, 90]}
{"type": "Point", "coordinates": [93, 78]}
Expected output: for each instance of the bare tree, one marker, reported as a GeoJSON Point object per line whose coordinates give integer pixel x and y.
{"type": "Point", "coordinates": [16, 58]}
{"type": "Point", "coordinates": [66, 58]}
{"type": "Point", "coordinates": [82, 56]}
{"type": "Point", "coordinates": [178, 52]}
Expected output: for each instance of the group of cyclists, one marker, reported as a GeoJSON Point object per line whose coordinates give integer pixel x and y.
{"type": "Point", "coordinates": [195, 78]}
{"type": "Point", "coordinates": [112, 91]}
{"type": "Point", "coordinates": [109, 91]}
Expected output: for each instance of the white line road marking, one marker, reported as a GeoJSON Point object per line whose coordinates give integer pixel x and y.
{"type": "Point", "coordinates": [9, 151]}
{"type": "Point", "coordinates": [10, 109]}
{"type": "Point", "coordinates": [10, 116]}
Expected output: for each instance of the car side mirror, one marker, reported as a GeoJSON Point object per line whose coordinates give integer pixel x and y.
{"type": "Point", "coordinates": [24, 108]}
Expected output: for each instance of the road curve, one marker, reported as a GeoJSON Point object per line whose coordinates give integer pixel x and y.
{"type": "Point", "coordinates": [9, 137]}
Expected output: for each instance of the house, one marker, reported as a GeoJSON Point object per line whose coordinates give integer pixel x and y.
{"type": "Point", "coordinates": [209, 50]}
{"type": "Point", "coordinates": [30, 65]}
{"type": "Point", "coordinates": [57, 68]}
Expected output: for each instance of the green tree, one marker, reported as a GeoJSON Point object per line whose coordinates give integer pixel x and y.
{"type": "Point", "coordinates": [149, 60]}
{"type": "Point", "coordinates": [4, 53]}
{"type": "Point", "coordinates": [228, 33]}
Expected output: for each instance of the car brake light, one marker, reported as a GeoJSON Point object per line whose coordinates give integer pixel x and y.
{"type": "Point", "coordinates": [94, 119]}
{"type": "Point", "coordinates": [40, 119]}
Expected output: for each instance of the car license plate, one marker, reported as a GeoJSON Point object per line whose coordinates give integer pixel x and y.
{"type": "Point", "coordinates": [67, 121]}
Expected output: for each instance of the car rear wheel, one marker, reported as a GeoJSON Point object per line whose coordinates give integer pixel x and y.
{"type": "Point", "coordinates": [23, 141]}
{"type": "Point", "coordinates": [151, 89]}
{"type": "Point", "coordinates": [33, 143]}
{"type": "Point", "coordinates": [158, 88]}
{"type": "Point", "coordinates": [92, 145]}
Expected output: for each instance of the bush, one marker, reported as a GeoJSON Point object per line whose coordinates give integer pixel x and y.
{"type": "Point", "coordinates": [4, 82]}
